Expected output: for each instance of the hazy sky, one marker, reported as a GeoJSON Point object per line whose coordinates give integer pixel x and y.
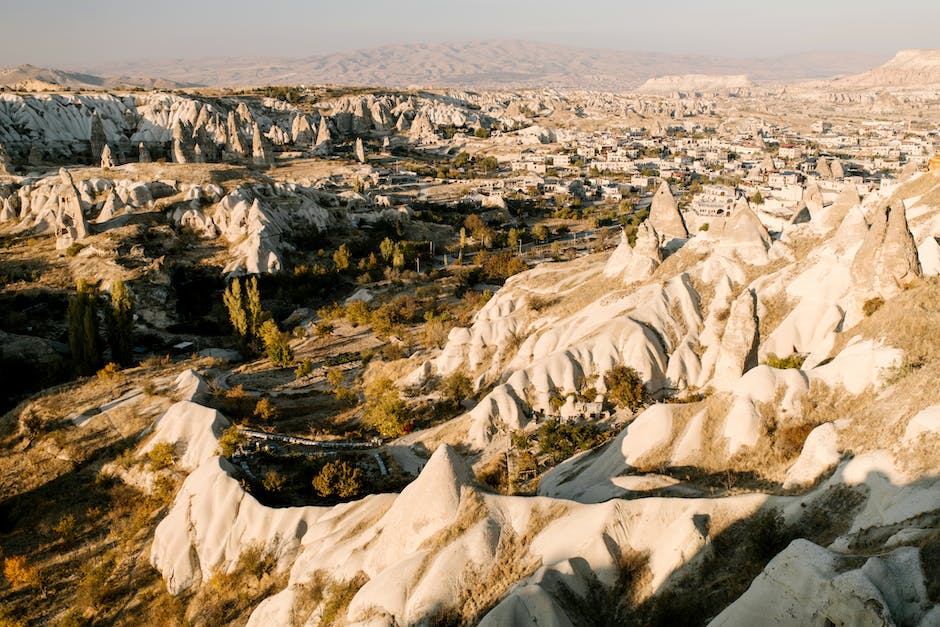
{"type": "Point", "coordinates": [74, 34]}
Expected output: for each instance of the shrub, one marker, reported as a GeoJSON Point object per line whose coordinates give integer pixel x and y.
{"type": "Point", "coordinates": [273, 481]}
{"type": "Point", "coordinates": [110, 371]}
{"type": "Point", "coordinates": [338, 478]}
{"type": "Point", "coordinates": [162, 455]}
{"type": "Point", "coordinates": [625, 387]}
{"type": "Point", "coordinates": [456, 387]}
{"type": "Point", "coordinates": [870, 306]}
{"type": "Point", "coordinates": [65, 528]}
{"type": "Point", "coordinates": [790, 361]}
{"type": "Point", "coordinates": [385, 410]}
{"type": "Point", "coordinates": [304, 368]}
{"type": "Point", "coordinates": [265, 410]}
{"type": "Point", "coordinates": [232, 438]}
{"type": "Point", "coordinates": [342, 258]}
{"type": "Point", "coordinates": [19, 573]}
{"type": "Point", "coordinates": [324, 328]}
{"type": "Point", "coordinates": [276, 345]}
{"type": "Point", "coordinates": [74, 249]}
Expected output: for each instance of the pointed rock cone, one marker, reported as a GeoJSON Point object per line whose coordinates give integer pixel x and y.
{"type": "Point", "coordinates": [833, 215]}
{"type": "Point", "coordinates": [106, 161]}
{"type": "Point", "coordinates": [812, 197]}
{"type": "Point", "coordinates": [638, 262]}
{"type": "Point", "coordinates": [665, 216]}
{"type": "Point", "coordinates": [745, 233]}
{"type": "Point", "coordinates": [360, 151]}
{"type": "Point", "coordinates": [887, 259]}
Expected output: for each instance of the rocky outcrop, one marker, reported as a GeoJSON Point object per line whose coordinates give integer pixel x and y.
{"type": "Point", "coordinates": [70, 225]}
{"type": "Point", "coordinates": [887, 260]}
{"type": "Point", "coordinates": [743, 235]}
{"type": "Point", "coordinates": [98, 139]}
{"type": "Point", "coordinates": [360, 151]}
{"type": "Point", "coordinates": [833, 215]}
{"type": "Point", "coordinates": [324, 144]}
{"type": "Point", "coordinates": [807, 584]}
{"type": "Point", "coordinates": [664, 215]}
{"type": "Point", "coordinates": [738, 352]}
{"type": "Point", "coordinates": [638, 262]}
{"type": "Point", "coordinates": [259, 152]}
{"type": "Point", "coordinates": [106, 161]}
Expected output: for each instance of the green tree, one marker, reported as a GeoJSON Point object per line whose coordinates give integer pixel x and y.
{"type": "Point", "coordinates": [456, 387]}
{"type": "Point", "coordinates": [232, 438]}
{"type": "Point", "coordinates": [276, 346]}
{"type": "Point", "coordinates": [387, 248]}
{"type": "Point", "coordinates": [119, 318]}
{"type": "Point", "coordinates": [625, 387]}
{"type": "Point", "coordinates": [540, 232]}
{"type": "Point", "coordinates": [385, 410]}
{"type": "Point", "coordinates": [84, 340]}
{"type": "Point", "coordinates": [462, 159]}
{"type": "Point", "coordinates": [245, 313]}
{"type": "Point", "coordinates": [342, 258]}
{"type": "Point", "coordinates": [489, 164]}
{"type": "Point", "coordinates": [237, 315]}
{"type": "Point", "coordinates": [338, 478]}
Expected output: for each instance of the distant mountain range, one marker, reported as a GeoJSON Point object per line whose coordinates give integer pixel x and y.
{"type": "Point", "coordinates": [30, 77]}
{"type": "Point", "coordinates": [490, 64]}
{"type": "Point", "coordinates": [500, 65]}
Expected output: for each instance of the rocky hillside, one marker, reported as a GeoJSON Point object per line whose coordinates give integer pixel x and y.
{"type": "Point", "coordinates": [695, 83]}
{"type": "Point", "coordinates": [909, 69]}
{"type": "Point", "coordinates": [788, 472]}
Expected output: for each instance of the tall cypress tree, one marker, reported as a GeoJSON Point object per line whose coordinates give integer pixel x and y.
{"type": "Point", "coordinates": [84, 340]}
{"type": "Point", "coordinates": [120, 322]}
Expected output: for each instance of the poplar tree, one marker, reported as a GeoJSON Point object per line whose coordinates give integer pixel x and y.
{"type": "Point", "coordinates": [119, 317]}
{"type": "Point", "coordinates": [84, 340]}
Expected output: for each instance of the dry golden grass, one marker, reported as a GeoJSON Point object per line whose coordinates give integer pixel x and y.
{"type": "Point", "coordinates": [484, 585]}
{"type": "Point", "coordinates": [773, 310]}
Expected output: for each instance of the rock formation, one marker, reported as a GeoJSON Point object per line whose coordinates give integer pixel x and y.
{"type": "Point", "coordinates": [98, 138]}
{"type": "Point", "coordinates": [833, 215]}
{"type": "Point", "coordinates": [259, 153]}
{"type": "Point", "coordinates": [664, 215]}
{"type": "Point", "coordinates": [887, 260]}
{"type": "Point", "coordinates": [106, 161]}
{"type": "Point", "coordinates": [360, 151]}
{"type": "Point", "coordinates": [70, 224]}
{"type": "Point", "coordinates": [324, 144]}
{"type": "Point", "coordinates": [143, 155]}
{"type": "Point", "coordinates": [738, 352]}
{"type": "Point", "coordinates": [638, 262]}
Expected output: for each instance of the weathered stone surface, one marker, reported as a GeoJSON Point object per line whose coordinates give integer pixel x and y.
{"type": "Point", "coordinates": [887, 259]}
{"type": "Point", "coordinates": [106, 161]}
{"type": "Point", "coordinates": [639, 261]}
{"type": "Point", "coordinates": [833, 215]}
{"type": "Point", "coordinates": [812, 196]}
{"type": "Point", "coordinates": [360, 151]}
{"type": "Point", "coordinates": [70, 221]}
{"type": "Point", "coordinates": [324, 138]}
{"type": "Point", "coordinates": [143, 155]}
{"type": "Point", "coordinates": [259, 152]}
{"type": "Point", "coordinates": [236, 141]}
{"type": "Point", "coordinates": [665, 216]}
{"type": "Point", "coordinates": [98, 138]}
{"type": "Point", "coordinates": [738, 352]}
